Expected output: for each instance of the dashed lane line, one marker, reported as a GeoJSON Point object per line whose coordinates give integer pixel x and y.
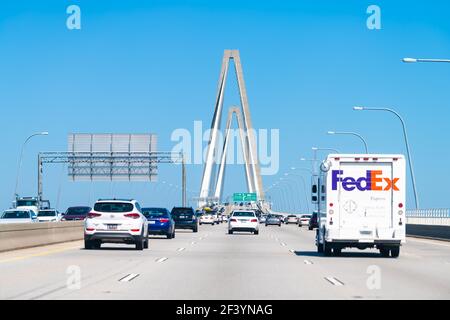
{"type": "Point", "coordinates": [334, 281]}
{"type": "Point", "coordinates": [130, 277]}
{"type": "Point", "coordinates": [160, 260]}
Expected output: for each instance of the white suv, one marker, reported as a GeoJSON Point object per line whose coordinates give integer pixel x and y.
{"type": "Point", "coordinates": [243, 220]}
{"type": "Point", "coordinates": [116, 221]}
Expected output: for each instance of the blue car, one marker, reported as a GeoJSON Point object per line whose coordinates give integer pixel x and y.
{"type": "Point", "coordinates": [160, 222]}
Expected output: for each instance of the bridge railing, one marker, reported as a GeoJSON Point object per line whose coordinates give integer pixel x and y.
{"type": "Point", "coordinates": [437, 217]}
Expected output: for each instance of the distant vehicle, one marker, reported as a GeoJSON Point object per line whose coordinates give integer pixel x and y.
{"type": "Point", "coordinates": [243, 221]}
{"type": "Point", "coordinates": [207, 218]}
{"type": "Point", "coordinates": [160, 222]}
{"type": "Point", "coordinates": [362, 203]}
{"type": "Point", "coordinates": [48, 215]}
{"type": "Point", "coordinates": [116, 221]}
{"type": "Point", "coordinates": [313, 222]}
{"type": "Point", "coordinates": [18, 216]}
{"type": "Point", "coordinates": [185, 218]}
{"type": "Point", "coordinates": [263, 219]}
{"type": "Point", "coordinates": [292, 218]}
{"type": "Point", "coordinates": [215, 215]}
{"type": "Point", "coordinates": [76, 213]}
{"type": "Point", "coordinates": [304, 220]}
{"type": "Point", "coordinates": [272, 220]}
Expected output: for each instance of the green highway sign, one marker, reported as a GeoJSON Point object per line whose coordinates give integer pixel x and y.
{"type": "Point", "coordinates": [245, 197]}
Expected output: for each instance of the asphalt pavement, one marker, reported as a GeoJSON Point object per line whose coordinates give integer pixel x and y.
{"type": "Point", "coordinates": [279, 263]}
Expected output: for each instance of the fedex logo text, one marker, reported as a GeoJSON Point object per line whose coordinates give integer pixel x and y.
{"type": "Point", "coordinates": [373, 181]}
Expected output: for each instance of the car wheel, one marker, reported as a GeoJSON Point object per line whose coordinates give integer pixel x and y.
{"type": "Point", "coordinates": [279, 225]}
{"type": "Point", "coordinates": [337, 251]}
{"type": "Point", "coordinates": [395, 252]}
{"type": "Point", "coordinates": [256, 232]}
{"type": "Point", "coordinates": [140, 244]}
{"type": "Point", "coordinates": [310, 228]}
{"type": "Point", "coordinates": [173, 234]}
{"type": "Point", "coordinates": [88, 245]}
{"type": "Point", "coordinates": [169, 236]}
{"type": "Point", "coordinates": [146, 243]}
{"type": "Point", "coordinates": [195, 230]}
{"type": "Point", "coordinates": [230, 231]}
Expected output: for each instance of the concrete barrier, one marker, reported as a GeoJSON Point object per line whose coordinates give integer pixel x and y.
{"type": "Point", "coordinates": [26, 235]}
{"type": "Point", "coordinates": [428, 231]}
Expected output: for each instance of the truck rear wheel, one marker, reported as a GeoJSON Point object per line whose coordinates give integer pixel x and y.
{"type": "Point", "coordinates": [395, 252]}
{"type": "Point", "coordinates": [327, 249]}
{"type": "Point", "coordinates": [384, 252]}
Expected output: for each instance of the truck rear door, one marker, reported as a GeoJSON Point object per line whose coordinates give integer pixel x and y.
{"type": "Point", "coordinates": [365, 204]}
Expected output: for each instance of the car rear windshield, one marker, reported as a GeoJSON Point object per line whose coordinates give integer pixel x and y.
{"type": "Point", "coordinates": [244, 214]}
{"type": "Point", "coordinates": [119, 207]}
{"type": "Point", "coordinates": [306, 216]}
{"type": "Point", "coordinates": [46, 214]}
{"type": "Point", "coordinates": [78, 211]}
{"type": "Point", "coordinates": [155, 213]}
{"type": "Point", "coordinates": [182, 211]}
{"type": "Point", "coordinates": [15, 215]}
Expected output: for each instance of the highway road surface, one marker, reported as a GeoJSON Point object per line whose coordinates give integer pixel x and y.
{"type": "Point", "coordinates": [279, 263]}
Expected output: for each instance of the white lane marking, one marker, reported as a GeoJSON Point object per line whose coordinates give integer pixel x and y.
{"type": "Point", "coordinates": [181, 249]}
{"type": "Point", "coordinates": [283, 244]}
{"type": "Point", "coordinates": [291, 250]}
{"type": "Point", "coordinates": [161, 260]}
{"type": "Point", "coordinates": [334, 281]}
{"type": "Point", "coordinates": [200, 239]}
{"type": "Point", "coordinates": [129, 277]}
{"type": "Point", "coordinates": [308, 262]}
{"type": "Point", "coordinates": [193, 242]}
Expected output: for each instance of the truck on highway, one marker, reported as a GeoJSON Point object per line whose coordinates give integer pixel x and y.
{"type": "Point", "coordinates": [361, 202]}
{"type": "Point", "coordinates": [31, 203]}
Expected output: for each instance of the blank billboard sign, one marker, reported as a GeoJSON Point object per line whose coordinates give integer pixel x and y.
{"type": "Point", "coordinates": [112, 157]}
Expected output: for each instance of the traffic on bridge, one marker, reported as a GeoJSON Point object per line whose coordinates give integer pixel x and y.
{"type": "Point", "coordinates": [129, 175]}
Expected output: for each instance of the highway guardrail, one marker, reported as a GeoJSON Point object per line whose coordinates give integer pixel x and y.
{"type": "Point", "coordinates": [25, 235]}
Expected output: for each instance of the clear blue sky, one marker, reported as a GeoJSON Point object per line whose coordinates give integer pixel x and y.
{"type": "Point", "coordinates": [152, 66]}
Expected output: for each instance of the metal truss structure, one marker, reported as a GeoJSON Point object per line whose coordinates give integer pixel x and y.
{"type": "Point", "coordinates": [253, 171]}
{"type": "Point", "coordinates": [113, 166]}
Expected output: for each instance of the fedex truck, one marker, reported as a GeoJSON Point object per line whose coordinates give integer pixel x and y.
{"type": "Point", "coordinates": [361, 202]}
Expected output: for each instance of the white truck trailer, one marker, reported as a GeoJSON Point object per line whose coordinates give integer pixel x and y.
{"type": "Point", "coordinates": [361, 200]}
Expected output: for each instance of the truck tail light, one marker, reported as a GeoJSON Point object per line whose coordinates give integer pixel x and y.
{"type": "Point", "coordinates": [400, 205]}
{"type": "Point", "coordinates": [93, 215]}
{"type": "Point", "coordinates": [132, 215]}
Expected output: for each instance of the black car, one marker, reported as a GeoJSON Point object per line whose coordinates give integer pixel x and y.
{"type": "Point", "coordinates": [185, 218]}
{"type": "Point", "coordinates": [76, 213]}
{"type": "Point", "coordinates": [313, 222]}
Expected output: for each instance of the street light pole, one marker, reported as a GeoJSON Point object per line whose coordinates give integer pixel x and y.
{"type": "Point", "coordinates": [353, 134]}
{"type": "Point", "coordinates": [414, 60]}
{"type": "Point", "coordinates": [416, 198]}
{"type": "Point", "coordinates": [45, 133]}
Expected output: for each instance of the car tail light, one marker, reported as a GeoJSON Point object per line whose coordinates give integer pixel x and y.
{"type": "Point", "coordinates": [90, 229]}
{"type": "Point", "coordinates": [164, 220]}
{"type": "Point", "coordinates": [132, 215]}
{"type": "Point", "coordinates": [135, 230]}
{"type": "Point", "coordinates": [93, 215]}
{"type": "Point", "coordinates": [233, 220]}
{"type": "Point", "coordinates": [254, 220]}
